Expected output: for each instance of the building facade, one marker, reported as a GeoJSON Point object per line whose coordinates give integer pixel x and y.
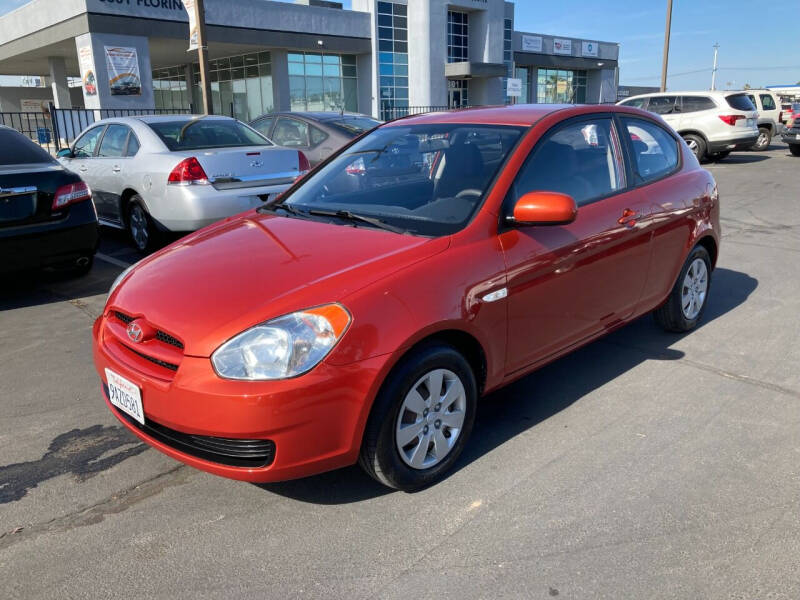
{"type": "Point", "coordinates": [382, 58]}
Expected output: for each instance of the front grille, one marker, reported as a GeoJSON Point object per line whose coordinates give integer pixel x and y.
{"type": "Point", "coordinates": [233, 452]}
{"type": "Point", "coordinates": [160, 363]}
{"type": "Point", "coordinates": [161, 336]}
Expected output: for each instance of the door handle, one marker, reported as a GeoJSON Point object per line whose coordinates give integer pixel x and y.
{"type": "Point", "coordinates": [629, 217]}
{"type": "Point", "coordinates": [83, 169]}
{"type": "Point", "coordinates": [116, 169]}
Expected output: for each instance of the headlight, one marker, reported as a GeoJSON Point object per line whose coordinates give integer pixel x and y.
{"type": "Point", "coordinates": [283, 347]}
{"type": "Point", "coordinates": [119, 279]}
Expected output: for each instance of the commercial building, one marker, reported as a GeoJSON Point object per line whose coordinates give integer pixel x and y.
{"type": "Point", "coordinates": [379, 58]}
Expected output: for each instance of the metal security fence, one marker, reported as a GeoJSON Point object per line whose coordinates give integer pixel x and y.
{"type": "Point", "coordinates": [38, 126]}
{"type": "Point", "coordinates": [69, 122]}
{"type": "Point", "coordinates": [395, 112]}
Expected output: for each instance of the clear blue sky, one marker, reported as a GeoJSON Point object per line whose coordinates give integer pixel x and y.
{"type": "Point", "coordinates": [758, 40]}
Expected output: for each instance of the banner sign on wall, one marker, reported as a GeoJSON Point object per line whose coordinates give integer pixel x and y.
{"type": "Point", "coordinates": [123, 71]}
{"type": "Point", "coordinates": [589, 49]}
{"type": "Point", "coordinates": [562, 46]}
{"type": "Point", "coordinates": [88, 76]}
{"type": "Point", "coordinates": [189, 6]}
{"type": "Point", "coordinates": [531, 43]}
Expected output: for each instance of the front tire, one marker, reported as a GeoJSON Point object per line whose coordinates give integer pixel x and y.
{"type": "Point", "coordinates": [696, 144]}
{"type": "Point", "coordinates": [764, 138]}
{"type": "Point", "coordinates": [687, 301]}
{"type": "Point", "coordinates": [421, 419]}
{"type": "Point", "coordinates": [794, 149]}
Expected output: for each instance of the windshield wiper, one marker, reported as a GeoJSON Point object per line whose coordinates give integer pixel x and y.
{"type": "Point", "coordinates": [283, 206]}
{"type": "Point", "coordinates": [351, 216]}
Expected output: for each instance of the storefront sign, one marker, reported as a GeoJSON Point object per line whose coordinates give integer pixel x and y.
{"type": "Point", "coordinates": [189, 5]}
{"type": "Point", "coordinates": [514, 88]}
{"type": "Point", "coordinates": [88, 77]}
{"type": "Point", "coordinates": [33, 105]}
{"type": "Point", "coordinates": [122, 65]}
{"type": "Point", "coordinates": [531, 43]}
{"type": "Point", "coordinates": [562, 46]}
{"type": "Point", "coordinates": [589, 49]}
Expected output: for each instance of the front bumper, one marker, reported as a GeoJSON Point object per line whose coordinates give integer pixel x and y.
{"type": "Point", "coordinates": [791, 136]}
{"type": "Point", "coordinates": [314, 421]}
{"type": "Point", "coordinates": [734, 143]}
{"type": "Point", "coordinates": [192, 207]}
{"type": "Point", "coordinates": [50, 243]}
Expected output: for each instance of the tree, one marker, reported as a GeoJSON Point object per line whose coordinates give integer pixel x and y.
{"type": "Point", "coordinates": [747, 86]}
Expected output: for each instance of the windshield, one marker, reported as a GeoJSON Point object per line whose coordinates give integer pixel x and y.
{"type": "Point", "coordinates": [425, 179]}
{"type": "Point", "coordinates": [206, 133]}
{"type": "Point", "coordinates": [353, 126]}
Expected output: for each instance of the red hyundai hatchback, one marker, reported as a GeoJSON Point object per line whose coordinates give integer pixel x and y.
{"type": "Point", "coordinates": [433, 260]}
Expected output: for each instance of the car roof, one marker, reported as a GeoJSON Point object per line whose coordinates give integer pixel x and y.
{"type": "Point", "coordinates": [705, 93]}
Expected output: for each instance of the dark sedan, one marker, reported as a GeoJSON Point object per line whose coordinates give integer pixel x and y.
{"type": "Point", "coordinates": [47, 218]}
{"type": "Point", "coordinates": [317, 134]}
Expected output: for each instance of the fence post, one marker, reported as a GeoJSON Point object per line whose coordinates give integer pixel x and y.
{"type": "Point", "coordinates": [54, 122]}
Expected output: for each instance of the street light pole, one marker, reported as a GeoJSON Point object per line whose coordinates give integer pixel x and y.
{"type": "Point", "coordinates": [202, 53]}
{"type": "Point", "coordinates": [666, 47]}
{"type": "Point", "coordinates": [714, 70]}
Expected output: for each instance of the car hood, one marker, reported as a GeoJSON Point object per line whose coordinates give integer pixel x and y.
{"type": "Point", "coordinates": [219, 281]}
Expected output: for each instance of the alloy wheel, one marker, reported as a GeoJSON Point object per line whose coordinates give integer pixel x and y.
{"type": "Point", "coordinates": [431, 419]}
{"type": "Point", "coordinates": [139, 227]}
{"type": "Point", "coordinates": [694, 289]}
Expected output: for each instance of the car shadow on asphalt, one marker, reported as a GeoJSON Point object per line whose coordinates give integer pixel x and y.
{"type": "Point", "coordinates": [520, 406]}
{"type": "Point", "coordinates": [741, 159]}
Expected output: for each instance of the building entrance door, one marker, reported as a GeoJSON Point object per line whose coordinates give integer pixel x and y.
{"type": "Point", "coordinates": [457, 93]}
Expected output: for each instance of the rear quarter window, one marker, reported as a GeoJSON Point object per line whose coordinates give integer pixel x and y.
{"type": "Point", "coordinates": [740, 102]}
{"type": "Point", "coordinates": [16, 149]}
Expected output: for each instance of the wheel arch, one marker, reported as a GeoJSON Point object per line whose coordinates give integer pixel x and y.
{"type": "Point", "coordinates": [124, 201]}
{"type": "Point", "coordinates": [710, 244]}
{"type": "Point", "coordinates": [683, 132]}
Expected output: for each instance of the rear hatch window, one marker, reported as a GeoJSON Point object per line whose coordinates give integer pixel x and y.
{"type": "Point", "coordinates": [740, 102]}
{"type": "Point", "coordinates": [198, 134]}
{"type": "Point", "coordinates": [16, 149]}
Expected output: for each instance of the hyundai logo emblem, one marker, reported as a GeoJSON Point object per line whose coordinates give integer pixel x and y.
{"type": "Point", "coordinates": [135, 332]}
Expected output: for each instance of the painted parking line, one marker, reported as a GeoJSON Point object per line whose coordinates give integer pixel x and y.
{"type": "Point", "coordinates": [112, 260]}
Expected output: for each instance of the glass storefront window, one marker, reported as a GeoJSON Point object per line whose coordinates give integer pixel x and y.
{"type": "Point", "coordinates": [523, 75]}
{"type": "Point", "coordinates": [557, 86]}
{"type": "Point", "coordinates": [393, 58]}
{"type": "Point", "coordinates": [170, 89]}
{"type": "Point", "coordinates": [325, 82]}
{"type": "Point", "coordinates": [457, 36]}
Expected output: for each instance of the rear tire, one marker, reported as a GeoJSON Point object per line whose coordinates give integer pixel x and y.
{"type": "Point", "coordinates": [696, 144]}
{"type": "Point", "coordinates": [764, 138]}
{"type": "Point", "coordinates": [142, 230]}
{"type": "Point", "coordinates": [794, 149]}
{"type": "Point", "coordinates": [408, 441]}
{"type": "Point", "coordinates": [687, 301]}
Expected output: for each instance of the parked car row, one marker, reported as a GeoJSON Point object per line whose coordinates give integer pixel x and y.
{"type": "Point", "coordinates": [715, 123]}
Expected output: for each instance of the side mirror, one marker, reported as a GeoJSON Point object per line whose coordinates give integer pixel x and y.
{"type": "Point", "coordinates": [544, 208]}
{"type": "Point", "coordinates": [65, 153]}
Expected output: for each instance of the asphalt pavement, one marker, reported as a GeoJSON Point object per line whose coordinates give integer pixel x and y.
{"type": "Point", "coordinates": [645, 465]}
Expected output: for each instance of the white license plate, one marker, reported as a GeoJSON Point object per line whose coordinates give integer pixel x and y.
{"type": "Point", "coordinates": [797, 137]}
{"type": "Point", "coordinates": [751, 122]}
{"type": "Point", "coordinates": [125, 395]}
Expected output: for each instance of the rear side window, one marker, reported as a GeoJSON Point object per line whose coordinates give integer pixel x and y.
{"type": "Point", "coordinates": [86, 144]}
{"type": "Point", "coordinates": [655, 152]}
{"type": "Point", "coordinates": [291, 133]}
{"type": "Point", "coordinates": [133, 145]}
{"type": "Point", "coordinates": [114, 142]}
{"type": "Point", "coordinates": [206, 133]}
{"type": "Point", "coordinates": [317, 136]}
{"type": "Point", "coordinates": [635, 102]}
{"type": "Point", "coordinates": [696, 103]}
{"type": "Point", "coordinates": [581, 160]}
{"type": "Point", "coordinates": [16, 149]}
{"type": "Point", "coordinates": [740, 102]}
{"type": "Point", "coordinates": [767, 101]}
{"type": "Point", "coordinates": [263, 126]}
{"type": "Point", "coordinates": [662, 105]}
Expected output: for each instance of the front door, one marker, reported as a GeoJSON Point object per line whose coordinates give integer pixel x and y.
{"type": "Point", "coordinates": [108, 166]}
{"type": "Point", "coordinates": [567, 283]}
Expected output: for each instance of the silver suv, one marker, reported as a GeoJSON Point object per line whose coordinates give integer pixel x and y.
{"type": "Point", "coordinates": [712, 124]}
{"type": "Point", "coordinates": [770, 125]}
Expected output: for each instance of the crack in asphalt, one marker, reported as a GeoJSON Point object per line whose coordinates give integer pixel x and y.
{"type": "Point", "coordinates": [96, 513]}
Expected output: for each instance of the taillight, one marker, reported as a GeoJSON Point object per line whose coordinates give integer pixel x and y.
{"type": "Point", "coordinates": [302, 163]}
{"type": "Point", "coordinates": [731, 119]}
{"type": "Point", "coordinates": [357, 167]}
{"type": "Point", "coordinates": [188, 172]}
{"type": "Point", "coordinates": [72, 193]}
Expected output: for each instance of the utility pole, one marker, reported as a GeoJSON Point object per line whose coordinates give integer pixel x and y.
{"type": "Point", "coordinates": [202, 53]}
{"type": "Point", "coordinates": [714, 70]}
{"type": "Point", "coordinates": [666, 47]}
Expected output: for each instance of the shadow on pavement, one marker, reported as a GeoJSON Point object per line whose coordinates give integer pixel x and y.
{"type": "Point", "coordinates": [742, 159]}
{"type": "Point", "coordinates": [506, 413]}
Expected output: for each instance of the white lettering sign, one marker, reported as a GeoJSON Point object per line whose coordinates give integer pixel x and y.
{"type": "Point", "coordinates": [514, 88]}
{"type": "Point", "coordinates": [589, 49]}
{"type": "Point", "coordinates": [531, 43]}
{"type": "Point", "coordinates": [562, 46]}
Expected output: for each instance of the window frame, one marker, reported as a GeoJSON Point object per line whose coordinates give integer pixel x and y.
{"type": "Point", "coordinates": [507, 207]}
{"type": "Point", "coordinates": [636, 180]}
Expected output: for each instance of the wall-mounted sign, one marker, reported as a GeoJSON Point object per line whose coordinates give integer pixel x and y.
{"type": "Point", "coordinates": [34, 105]}
{"type": "Point", "coordinates": [122, 65]}
{"type": "Point", "coordinates": [514, 88]}
{"type": "Point", "coordinates": [589, 49]}
{"type": "Point", "coordinates": [561, 46]}
{"type": "Point", "coordinates": [190, 9]}
{"type": "Point", "coordinates": [531, 43]}
{"type": "Point", "coordinates": [88, 77]}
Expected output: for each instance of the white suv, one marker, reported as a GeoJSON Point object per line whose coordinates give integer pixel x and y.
{"type": "Point", "coordinates": [770, 116]}
{"type": "Point", "coordinates": [712, 124]}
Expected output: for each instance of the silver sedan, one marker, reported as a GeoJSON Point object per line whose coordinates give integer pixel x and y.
{"type": "Point", "coordinates": [151, 174]}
